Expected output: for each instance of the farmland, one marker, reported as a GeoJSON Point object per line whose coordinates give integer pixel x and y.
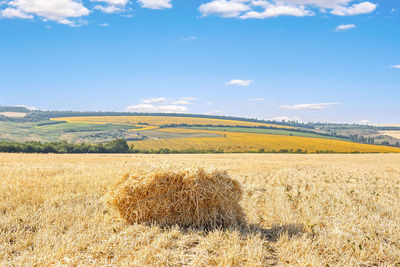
{"type": "Point", "coordinates": [166, 133]}
{"type": "Point", "coordinates": [234, 137]}
{"type": "Point", "coordinates": [162, 120]}
{"type": "Point", "coordinates": [301, 210]}
{"type": "Point", "coordinates": [253, 142]}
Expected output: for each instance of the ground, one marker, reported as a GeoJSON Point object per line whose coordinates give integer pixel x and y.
{"type": "Point", "coordinates": [313, 210]}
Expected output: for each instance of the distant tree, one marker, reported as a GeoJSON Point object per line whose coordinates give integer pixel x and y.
{"type": "Point", "coordinates": [118, 145]}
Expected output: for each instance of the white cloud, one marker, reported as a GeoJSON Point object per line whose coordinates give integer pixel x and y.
{"type": "Point", "coordinates": [276, 11]}
{"type": "Point", "coordinates": [162, 104]}
{"type": "Point", "coordinates": [155, 4]}
{"type": "Point", "coordinates": [112, 6]}
{"type": "Point", "coordinates": [184, 101]}
{"type": "Point", "coordinates": [104, 24]}
{"type": "Point", "coordinates": [224, 8]}
{"type": "Point", "coordinates": [57, 10]}
{"type": "Point", "coordinates": [30, 108]}
{"type": "Point", "coordinates": [113, 2]}
{"type": "Point", "coordinates": [243, 83]}
{"type": "Point", "coordinates": [261, 9]}
{"type": "Point", "coordinates": [70, 12]}
{"type": "Point", "coordinates": [181, 102]}
{"type": "Point", "coordinates": [154, 108]}
{"type": "Point", "coordinates": [356, 9]}
{"type": "Point", "coordinates": [319, 106]}
{"type": "Point", "coordinates": [392, 10]}
{"type": "Point", "coordinates": [109, 9]}
{"type": "Point", "coordinates": [14, 13]}
{"type": "Point", "coordinates": [154, 100]}
{"type": "Point", "coordinates": [345, 27]}
{"type": "Point", "coordinates": [395, 66]}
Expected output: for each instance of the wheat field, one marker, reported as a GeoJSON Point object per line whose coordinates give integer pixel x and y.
{"type": "Point", "coordinates": [302, 210]}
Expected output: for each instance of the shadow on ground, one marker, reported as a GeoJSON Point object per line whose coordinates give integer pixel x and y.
{"type": "Point", "coordinates": [277, 230]}
{"type": "Point", "coordinates": [271, 234]}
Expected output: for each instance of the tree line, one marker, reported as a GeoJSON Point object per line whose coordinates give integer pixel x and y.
{"type": "Point", "coordinates": [118, 145]}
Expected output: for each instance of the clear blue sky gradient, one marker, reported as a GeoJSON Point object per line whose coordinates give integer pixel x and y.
{"type": "Point", "coordinates": [292, 60]}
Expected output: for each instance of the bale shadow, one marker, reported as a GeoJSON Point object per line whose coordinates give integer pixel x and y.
{"type": "Point", "coordinates": [276, 231]}
{"type": "Point", "coordinates": [271, 234]}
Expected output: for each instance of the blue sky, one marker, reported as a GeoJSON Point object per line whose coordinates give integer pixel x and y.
{"type": "Point", "coordinates": [312, 60]}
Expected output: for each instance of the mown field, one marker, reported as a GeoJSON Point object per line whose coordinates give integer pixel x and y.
{"type": "Point", "coordinates": [302, 210]}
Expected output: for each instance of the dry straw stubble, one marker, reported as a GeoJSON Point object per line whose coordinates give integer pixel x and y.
{"type": "Point", "coordinates": [190, 197]}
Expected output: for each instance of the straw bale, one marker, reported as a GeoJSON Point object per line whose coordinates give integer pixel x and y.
{"type": "Point", "coordinates": [191, 197]}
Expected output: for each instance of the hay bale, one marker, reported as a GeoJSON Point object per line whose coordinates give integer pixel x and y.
{"type": "Point", "coordinates": [190, 197]}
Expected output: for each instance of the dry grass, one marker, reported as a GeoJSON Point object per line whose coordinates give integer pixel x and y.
{"type": "Point", "coordinates": [313, 210]}
{"type": "Point", "coordinates": [168, 196]}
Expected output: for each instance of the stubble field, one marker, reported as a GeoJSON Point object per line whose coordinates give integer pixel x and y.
{"type": "Point", "coordinates": [301, 210]}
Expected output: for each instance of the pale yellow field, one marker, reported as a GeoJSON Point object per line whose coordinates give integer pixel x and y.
{"type": "Point", "coordinates": [13, 114]}
{"type": "Point", "coordinates": [302, 210]}
{"type": "Point", "coordinates": [247, 142]}
{"type": "Point", "coordinates": [161, 120]}
{"type": "Point", "coordinates": [394, 134]}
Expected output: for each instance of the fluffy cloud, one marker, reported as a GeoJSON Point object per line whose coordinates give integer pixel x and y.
{"type": "Point", "coordinates": [261, 9]}
{"type": "Point", "coordinates": [224, 8]}
{"type": "Point", "coordinates": [243, 83]}
{"type": "Point", "coordinates": [111, 6]}
{"type": "Point", "coordinates": [113, 2]}
{"type": "Point", "coordinates": [276, 11]}
{"type": "Point", "coordinates": [57, 10]}
{"type": "Point", "coordinates": [14, 13]}
{"type": "Point", "coordinates": [395, 66]}
{"type": "Point", "coordinates": [163, 105]}
{"type": "Point", "coordinates": [319, 106]}
{"type": "Point", "coordinates": [155, 4]}
{"type": "Point", "coordinates": [109, 9]}
{"type": "Point", "coordinates": [345, 27]}
{"type": "Point", "coordinates": [184, 101]}
{"type": "Point", "coordinates": [154, 108]}
{"type": "Point", "coordinates": [356, 9]}
{"type": "Point", "coordinates": [69, 12]}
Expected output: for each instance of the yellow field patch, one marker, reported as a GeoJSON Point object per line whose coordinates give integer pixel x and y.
{"type": "Point", "coordinates": [251, 142]}
{"type": "Point", "coordinates": [144, 128]}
